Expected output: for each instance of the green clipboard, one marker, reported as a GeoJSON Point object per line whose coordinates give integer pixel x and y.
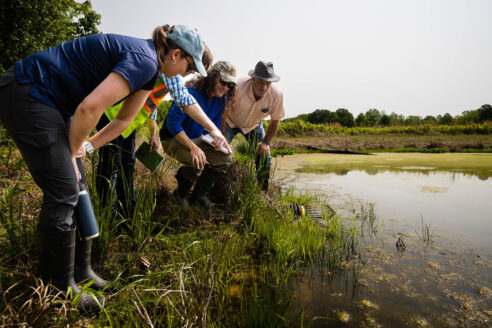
{"type": "Point", "coordinates": [152, 160]}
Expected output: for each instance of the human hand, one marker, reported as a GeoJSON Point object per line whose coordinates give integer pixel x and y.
{"type": "Point", "coordinates": [263, 149]}
{"type": "Point", "coordinates": [154, 143]}
{"type": "Point", "coordinates": [220, 141]}
{"type": "Point", "coordinates": [81, 152]}
{"type": "Point", "coordinates": [198, 158]}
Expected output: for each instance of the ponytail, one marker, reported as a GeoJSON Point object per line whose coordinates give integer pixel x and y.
{"type": "Point", "coordinates": [161, 43]}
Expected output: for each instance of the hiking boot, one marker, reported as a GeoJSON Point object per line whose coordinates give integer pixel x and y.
{"type": "Point", "coordinates": [204, 184]}
{"type": "Point", "coordinates": [184, 187]}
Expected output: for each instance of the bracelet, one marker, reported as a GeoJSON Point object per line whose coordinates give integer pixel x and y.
{"type": "Point", "coordinates": [266, 142]}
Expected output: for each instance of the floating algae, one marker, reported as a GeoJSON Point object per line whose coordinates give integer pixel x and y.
{"type": "Point", "coordinates": [419, 322]}
{"type": "Point", "coordinates": [368, 304]}
{"type": "Point", "coordinates": [433, 190]}
{"type": "Point", "coordinates": [433, 265]}
{"type": "Point", "coordinates": [342, 316]}
{"type": "Point", "coordinates": [484, 291]}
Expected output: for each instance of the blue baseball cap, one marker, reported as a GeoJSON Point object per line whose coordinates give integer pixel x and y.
{"type": "Point", "coordinates": [188, 39]}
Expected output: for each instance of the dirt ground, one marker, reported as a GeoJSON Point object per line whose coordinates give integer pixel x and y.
{"type": "Point", "coordinates": [385, 141]}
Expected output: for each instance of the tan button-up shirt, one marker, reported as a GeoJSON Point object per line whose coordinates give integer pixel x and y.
{"type": "Point", "coordinates": [247, 112]}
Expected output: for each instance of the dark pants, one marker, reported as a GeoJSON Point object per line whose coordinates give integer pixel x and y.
{"type": "Point", "coordinates": [115, 170]}
{"type": "Point", "coordinates": [263, 163]}
{"type": "Point", "coordinates": [40, 133]}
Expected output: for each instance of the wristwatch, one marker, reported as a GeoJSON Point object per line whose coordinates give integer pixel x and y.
{"type": "Point", "coordinates": [266, 142]}
{"type": "Point", "coordinates": [89, 149]}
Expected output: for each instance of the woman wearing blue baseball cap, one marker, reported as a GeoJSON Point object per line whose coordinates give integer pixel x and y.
{"type": "Point", "coordinates": [77, 81]}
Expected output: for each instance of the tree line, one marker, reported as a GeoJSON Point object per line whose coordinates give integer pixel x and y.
{"type": "Point", "coordinates": [29, 26]}
{"type": "Point", "coordinates": [376, 118]}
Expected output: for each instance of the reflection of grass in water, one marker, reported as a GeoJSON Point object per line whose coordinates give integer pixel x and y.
{"type": "Point", "coordinates": [479, 165]}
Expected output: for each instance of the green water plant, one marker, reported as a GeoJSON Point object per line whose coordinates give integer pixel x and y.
{"type": "Point", "coordinates": [425, 235]}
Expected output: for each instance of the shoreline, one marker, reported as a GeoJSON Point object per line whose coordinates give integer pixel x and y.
{"type": "Point", "coordinates": [477, 143]}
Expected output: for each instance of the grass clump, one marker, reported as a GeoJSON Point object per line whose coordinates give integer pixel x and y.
{"type": "Point", "coordinates": [172, 267]}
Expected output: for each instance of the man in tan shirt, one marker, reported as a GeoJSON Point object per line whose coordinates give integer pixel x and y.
{"type": "Point", "coordinates": [256, 99]}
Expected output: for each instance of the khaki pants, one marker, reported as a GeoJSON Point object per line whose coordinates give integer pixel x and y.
{"type": "Point", "coordinates": [216, 159]}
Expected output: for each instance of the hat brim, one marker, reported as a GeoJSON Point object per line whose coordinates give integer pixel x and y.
{"type": "Point", "coordinates": [228, 78]}
{"type": "Point", "coordinates": [199, 66]}
{"type": "Point", "coordinates": [274, 78]}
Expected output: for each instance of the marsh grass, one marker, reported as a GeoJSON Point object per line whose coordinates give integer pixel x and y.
{"type": "Point", "coordinates": [368, 218]}
{"type": "Point", "coordinates": [18, 229]}
{"type": "Point", "coordinates": [425, 232]}
{"type": "Point", "coordinates": [202, 270]}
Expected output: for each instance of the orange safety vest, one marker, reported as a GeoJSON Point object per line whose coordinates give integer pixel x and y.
{"type": "Point", "coordinates": [156, 96]}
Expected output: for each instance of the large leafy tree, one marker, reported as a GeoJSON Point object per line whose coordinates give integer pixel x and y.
{"type": "Point", "coordinates": [445, 119]}
{"type": "Point", "coordinates": [361, 120]}
{"type": "Point", "coordinates": [485, 113]}
{"type": "Point", "coordinates": [29, 26]}
{"type": "Point", "coordinates": [385, 120]}
{"type": "Point", "coordinates": [345, 117]}
{"type": "Point", "coordinates": [322, 116]}
{"type": "Point", "coordinates": [373, 116]}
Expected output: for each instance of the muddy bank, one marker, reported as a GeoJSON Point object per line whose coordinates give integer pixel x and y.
{"type": "Point", "coordinates": [385, 141]}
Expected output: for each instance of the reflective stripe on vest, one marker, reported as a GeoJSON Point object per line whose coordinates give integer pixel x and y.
{"type": "Point", "coordinates": [156, 96]}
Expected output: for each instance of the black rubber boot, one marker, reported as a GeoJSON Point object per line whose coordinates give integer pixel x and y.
{"type": "Point", "coordinates": [83, 271]}
{"type": "Point", "coordinates": [56, 262]}
{"type": "Point", "coordinates": [184, 187]}
{"type": "Point", "coordinates": [203, 185]}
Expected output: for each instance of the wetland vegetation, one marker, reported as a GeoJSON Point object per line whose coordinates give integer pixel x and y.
{"type": "Point", "coordinates": [172, 267]}
{"type": "Point", "coordinates": [253, 262]}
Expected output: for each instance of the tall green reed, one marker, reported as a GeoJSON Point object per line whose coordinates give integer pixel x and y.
{"type": "Point", "coordinates": [19, 230]}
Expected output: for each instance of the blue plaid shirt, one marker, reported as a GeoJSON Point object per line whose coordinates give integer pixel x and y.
{"type": "Point", "coordinates": [178, 91]}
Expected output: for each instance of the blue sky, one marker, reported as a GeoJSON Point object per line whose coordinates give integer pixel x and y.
{"type": "Point", "coordinates": [420, 57]}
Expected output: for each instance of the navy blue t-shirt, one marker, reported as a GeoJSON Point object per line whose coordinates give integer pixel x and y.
{"type": "Point", "coordinates": [64, 75]}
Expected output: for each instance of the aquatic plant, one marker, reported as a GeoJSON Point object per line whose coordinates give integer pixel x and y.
{"type": "Point", "coordinates": [425, 234]}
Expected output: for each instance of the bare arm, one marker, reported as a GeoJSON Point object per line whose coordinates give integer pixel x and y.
{"type": "Point", "coordinates": [113, 88]}
{"type": "Point", "coordinates": [125, 116]}
{"type": "Point", "coordinates": [263, 148]}
{"type": "Point", "coordinates": [272, 129]}
{"type": "Point", "coordinates": [154, 139]}
{"type": "Point", "coordinates": [197, 114]}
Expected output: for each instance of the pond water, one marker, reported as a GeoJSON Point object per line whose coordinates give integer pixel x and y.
{"type": "Point", "coordinates": [445, 281]}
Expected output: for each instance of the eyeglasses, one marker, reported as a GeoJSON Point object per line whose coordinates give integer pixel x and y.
{"type": "Point", "coordinates": [230, 85]}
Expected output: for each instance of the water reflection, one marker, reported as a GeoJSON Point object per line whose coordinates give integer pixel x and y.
{"type": "Point", "coordinates": [443, 283]}
{"type": "Point", "coordinates": [449, 191]}
{"type": "Point", "coordinates": [420, 164]}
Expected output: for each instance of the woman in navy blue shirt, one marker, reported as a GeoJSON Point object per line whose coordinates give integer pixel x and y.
{"type": "Point", "coordinates": [79, 80]}
{"type": "Point", "coordinates": [181, 136]}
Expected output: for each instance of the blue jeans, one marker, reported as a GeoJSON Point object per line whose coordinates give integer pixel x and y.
{"type": "Point", "coordinates": [263, 163]}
